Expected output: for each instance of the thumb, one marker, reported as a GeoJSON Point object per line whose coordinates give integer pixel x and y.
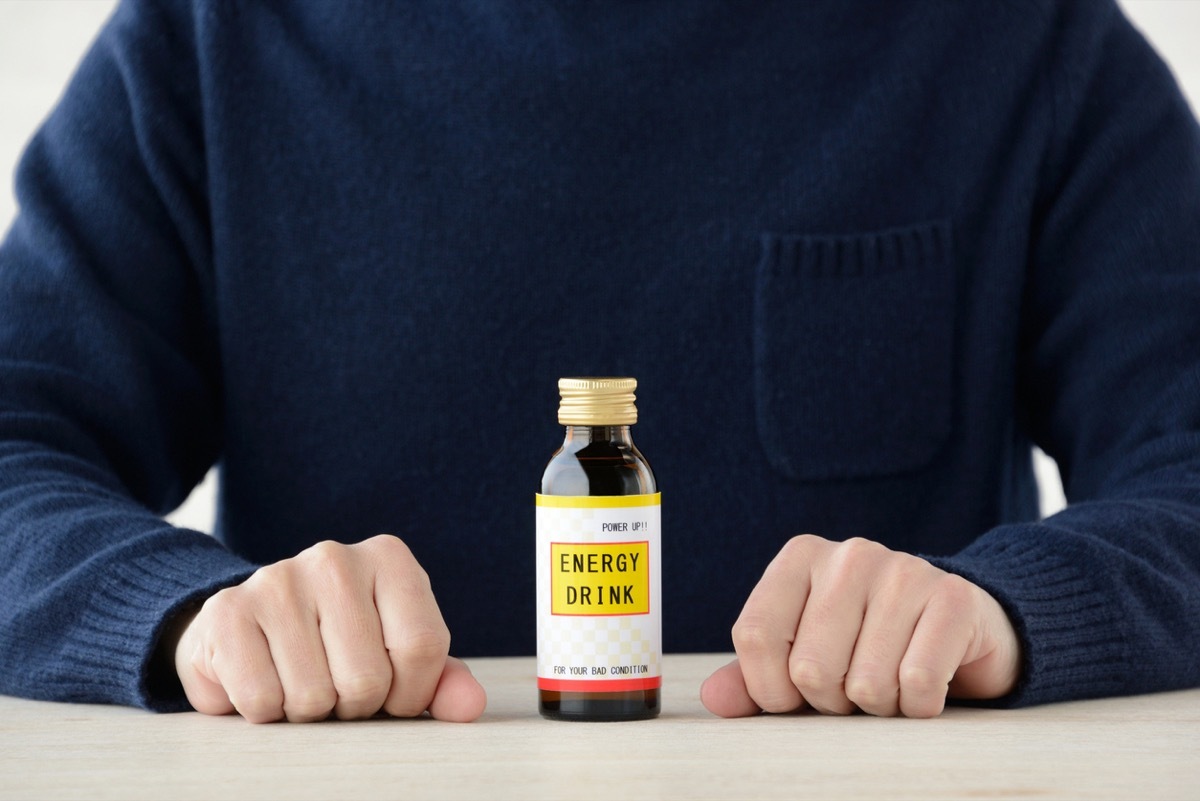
{"type": "Point", "coordinates": [724, 693]}
{"type": "Point", "coordinates": [459, 698]}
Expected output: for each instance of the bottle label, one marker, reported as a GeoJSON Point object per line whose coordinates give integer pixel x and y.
{"type": "Point", "coordinates": [599, 595]}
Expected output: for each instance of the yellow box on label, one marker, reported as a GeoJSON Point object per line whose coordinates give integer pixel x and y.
{"type": "Point", "coordinates": [600, 578]}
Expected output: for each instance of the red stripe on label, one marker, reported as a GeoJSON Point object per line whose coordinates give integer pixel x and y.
{"type": "Point", "coordinates": [599, 685]}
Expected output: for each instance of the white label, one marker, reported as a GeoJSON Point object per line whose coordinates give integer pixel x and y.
{"type": "Point", "coordinates": [599, 593]}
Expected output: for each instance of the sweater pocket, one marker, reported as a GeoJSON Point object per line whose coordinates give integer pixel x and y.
{"type": "Point", "coordinates": [854, 350]}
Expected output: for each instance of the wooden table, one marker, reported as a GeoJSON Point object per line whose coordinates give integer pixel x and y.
{"type": "Point", "coordinates": [1144, 747]}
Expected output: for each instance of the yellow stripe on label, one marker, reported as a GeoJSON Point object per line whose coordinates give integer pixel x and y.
{"type": "Point", "coordinates": [599, 501]}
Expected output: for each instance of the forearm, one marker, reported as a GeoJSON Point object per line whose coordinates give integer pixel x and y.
{"type": "Point", "coordinates": [1103, 595]}
{"type": "Point", "coordinates": [109, 380]}
{"type": "Point", "coordinates": [88, 582]}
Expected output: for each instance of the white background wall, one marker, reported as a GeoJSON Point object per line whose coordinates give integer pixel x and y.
{"type": "Point", "coordinates": [42, 40]}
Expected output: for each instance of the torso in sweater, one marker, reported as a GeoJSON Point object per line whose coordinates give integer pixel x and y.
{"type": "Point", "coordinates": [803, 229]}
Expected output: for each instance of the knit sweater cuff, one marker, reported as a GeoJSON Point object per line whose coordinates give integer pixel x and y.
{"type": "Point", "coordinates": [112, 649]}
{"type": "Point", "coordinates": [1070, 630]}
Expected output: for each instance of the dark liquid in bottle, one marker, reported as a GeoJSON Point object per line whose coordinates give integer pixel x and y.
{"type": "Point", "coordinates": [611, 465]}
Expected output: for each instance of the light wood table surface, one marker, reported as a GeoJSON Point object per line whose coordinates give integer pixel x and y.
{"type": "Point", "coordinates": [1146, 747]}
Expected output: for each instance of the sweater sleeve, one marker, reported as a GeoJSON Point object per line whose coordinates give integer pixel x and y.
{"type": "Point", "coordinates": [109, 401]}
{"type": "Point", "coordinates": [1106, 594]}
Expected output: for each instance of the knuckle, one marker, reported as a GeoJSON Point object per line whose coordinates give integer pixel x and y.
{"type": "Point", "coordinates": [752, 635]}
{"type": "Point", "coordinates": [800, 542]}
{"type": "Point", "coordinates": [309, 703]}
{"type": "Point", "coordinates": [426, 643]}
{"type": "Point", "coordinates": [390, 547]}
{"type": "Point", "coordinates": [325, 555]}
{"type": "Point", "coordinates": [272, 596]}
{"type": "Point", "coordinates": [274, 583]}
{"type": "Point", "coordinates": [384, 541]}
{"type": "Point", "coordinates": [258, 704]}
{"type": "Point", "coordinates": [813, 676]}
{"type": "Point", "coordinates": [333, 568]}
{"type": "Point", "coordinates": [850, 563]}
{"type": "Point", "coordinates": [800, 548]}
{"type": "Point", "coordinates": [901, 574]}
{"type": "Point", "coordinates": [235, 598]}
{"type": "Point", "coordinates": [224, 604]}
{"type": "Point", "coordinates": [397, 564]}
{"type": "Point", "coordinates": [365, 687]}
{"type": "Point", "coordinates": [870, 692]}
{"type": "Point", "coordinates": [920, 681]}
{"type": "Point", "coordinates": [860, 546]}
{"type": "Point", "coordinates": [857, 551]}
{"type": "Point", "coordinates": [414, 580]}
{"type": "Point", "coordinates": [227, 610]}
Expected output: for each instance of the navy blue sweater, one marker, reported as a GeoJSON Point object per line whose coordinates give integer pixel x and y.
{"type": "Point", "coordinates": [860, 256]}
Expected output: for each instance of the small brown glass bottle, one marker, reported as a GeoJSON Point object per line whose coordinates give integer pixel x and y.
{"type": "Point", "coordinates": [599, 557]}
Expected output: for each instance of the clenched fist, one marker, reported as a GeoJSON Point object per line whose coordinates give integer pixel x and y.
{"type": "Point", "coordinates": [345, 630]}
{"type": "Point", "coordinates": [845, 626]}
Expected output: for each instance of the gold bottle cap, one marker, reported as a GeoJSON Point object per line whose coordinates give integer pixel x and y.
{"type": "Point", "coordinates": [597, 401]}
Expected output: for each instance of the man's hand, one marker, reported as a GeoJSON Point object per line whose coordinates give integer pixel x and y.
{"type": "Point", "coordinates": [341, 629]}
{"type": "Point", "coordinates": [852, 625]}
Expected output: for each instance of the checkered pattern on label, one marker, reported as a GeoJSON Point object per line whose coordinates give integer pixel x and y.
{"type": "Point", "coordinates": [590, 642]}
